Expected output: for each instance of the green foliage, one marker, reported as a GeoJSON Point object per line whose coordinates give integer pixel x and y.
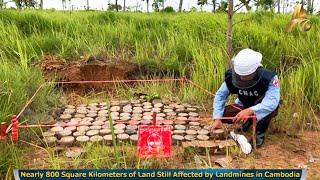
{"type": "Point", "coordinates": [168, 9]}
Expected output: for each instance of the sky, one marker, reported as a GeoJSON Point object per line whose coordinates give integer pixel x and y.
{"type": "Point", "coordinates": [142, 5]}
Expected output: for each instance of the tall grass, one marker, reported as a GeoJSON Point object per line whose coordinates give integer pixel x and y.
{"type": "Point", "coordinates": [191, 44]}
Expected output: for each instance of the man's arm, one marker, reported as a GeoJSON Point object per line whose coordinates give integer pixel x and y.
{"type": "Point", "coordinates": [270, 101]}
{"type": "Point", "coordinates": [220, 100]}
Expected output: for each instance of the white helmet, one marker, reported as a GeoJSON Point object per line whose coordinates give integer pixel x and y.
{"type": "Point", "coordinates": [247, 62]}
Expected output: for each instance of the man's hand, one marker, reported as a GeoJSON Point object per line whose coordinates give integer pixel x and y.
{"type": "Point", "coordinates": [243, 115]}
{"type": "Point", "coordinates": [215, 125]}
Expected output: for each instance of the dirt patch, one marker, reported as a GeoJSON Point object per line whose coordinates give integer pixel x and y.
{"type": "Point", "coordinates": [87, 69]}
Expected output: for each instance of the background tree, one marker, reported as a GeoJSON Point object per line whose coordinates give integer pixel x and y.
{"type": "Point", "coordinates": [213, 3]}
{"type": "Point", "coordinates": [180, 5]}
{"type": "Point", "coordinates": [124, 5]}
{"type": "Point", "coordinates": [114, 7]}
{"type": "Point", "coordinates": [117, 6]}
{"type": "Point", "coordinates": [147, 1]}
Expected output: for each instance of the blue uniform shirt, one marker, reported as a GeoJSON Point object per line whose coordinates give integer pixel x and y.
{"type": "Point", "coordinates": [269, 103]}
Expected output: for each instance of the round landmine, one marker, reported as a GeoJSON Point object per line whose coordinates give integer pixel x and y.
{"type": "Point", "coordinates": [136, 118]}
{"type": "Point", "coordinates": [69, 111]}
{"type": "Point", "coordinates": [168, 107]}
{"type": "Point", "coordinates": [147, 110]}
{"type": "Point", "coordinates": [202, 137]}
{"type": "Point", "coordinates": [66, 140]}
{"type": "Point", "coordinates": [82, 139]}
{"type": "Point", "coordinates": [195, 127]}
{"type": "Point", "coordinates": [105, 131]}
{"type": "Point", "coordinates": [189, 137]}
{"type": "Point", "coordinates": [128, 106]}
{"type": "Point", "coordinates": [93, 109]}
{"type": "Point", "coordinates": [65, 116]}
{"type": "Point", "coordinates": [137, 105]}
{"type": "Point", "coordinates": [182, 118]}
{"type": "Point", "coordinates": [56, 129]}
{"type": "Point", "coordinates": [180, 127]}
{"type": "Point", "coordinates": [85, 123]}
{"type": "Point", "coordinates": [130, 126]}
{"type": "Point", "coordinates": [130, 131]}
{"type": "Point", "coordinates": [157, 110]}
{"type": "Point", "coordinates": [96, 138]}
{"type": "Point", "coordinates": [183, 114]}
{"type": "Point", "coordinates": [194, 118]}
{"type": "Point", "coordinates": [103, 119]}
{"type": "Point", "coordinates": [177, 139]}
{"type": "Point", "coordinates": [147, 113]}
{"type": "Point", "coordinates": [180, 107]}
{"type": "Point", "coordinates": [127, 110]}
{"type": "Point", "coordinates": [193, 114]}
{"type": "Point", "coordinates": [72, 123]}
{"type": "Point", "coordinates": [207, 127]}
{"type": "Point", "coordinates": [181, 122]}
{"type": "Point", "coordinates": [48, 134]}
{"type": "Point", "coordinates": [217, 134]}
{"type": "Point", "coordinates": [103, 115]}
{"type": "Point", "coordinates": [171, 117]}
{"type": "Point", "coordinates": [172, 105]}
{"type": "Point", "coordinates": [161, 115]}
{"type": "Point", "coordinates": [114, 113]}
{"type": "Point", "coordinates": [95, 127]}
{"type": "Point", "coordinates": [83, 108]}
{"type": "Point", "coordinates": [160, 118]}
{"type": "Point", "coordinates": [79, 116]}
{"type": "Point", "coordinates": [191, 132]}
{"type": "Point", "coordinates": [73, 152]}
{"type": "Point", "coordinates": [71, 128]}
{"type": "Point", "coordinates": [115, 117]}
{"type": "Point", "coordinates": [124, 118]}
{"type": "Point", "coordinates": [145, 122]}
{"type": "Point", "coordinates": [180, 110]}
{"type": "Point", "coordinates": [171, 113]}
{"type": "Point", "coordinates": [158, 105]}
{"type": "Point", "coordinates": [123, 137]}
{"type": "Point", "coordinates": [137, 115]}
{"type": "Point", "coordinates": [179, 132]}
{"type": "Point", "coordinates": [167, 110]}
{"type": "Point", "coordinates": [79, 133]}
{"type": "Point", "coordinates": [75, 120]}
{"type": "Point", "coordinates": [93, 104]}
{"type": "Point", "coordinates": [203, 132]}
{"type": "Point", "coordinates": [90, 119]}
{"type": "Point", "coordinates": [134, 138]}
{"type": "Point", "coordinates": [108, 139]}
{"type": "Point", "coordinates": [92, 115]}
{"type": "Point", "coordinates": [118, 131]}
{"type": "Point", "coordinates": [50, 140]}
{"type": "Point", "coordinates": [124, 114]}
{"type": "Point", "coordinates": [83, 128]}
{"type": "Point", "coordinates": [192, 109]}
{"type": "Point", "coordinates": [70, 106]}
{"type": "Point", "coordinates": [137, 111]}
{"type": "Point", "coordinates": [147, 104]}
{"type": "Point", "coordinates": [192, 123]}
{"type": "Point", "coordinates": [115, 108]}
{"type": "Point", "coordinates": [81, 111]}
{"type": "Point", "coordinates": [82, 105]}
{"type": "Point", "coordinates": [104, 108]}
{"type": "Point", "coordinates": [106, 126]}
{"type": "Point", "coordinates": [134, 122]}
{"type": "Point", "coordinates": [103, 112]}
{"type": "Point", "coordinates": [186, 105]}
{"type": "Point", "coordinates": [92, 132]}
{"type": "Point", "coordinates": [167, 122]}
{"type": "Point", "coordinates": [148, 117]}
{"type": "Point", "coordinates": [98, 123]}
{"type": "Point", "coordinates": [120, 126]}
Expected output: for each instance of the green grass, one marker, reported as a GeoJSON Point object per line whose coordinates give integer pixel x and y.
{"type": "Point", "coordinates": [184, 44]}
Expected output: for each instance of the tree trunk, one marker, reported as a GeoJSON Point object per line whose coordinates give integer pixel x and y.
{"type": "Point", "coordinates": [312, 5]}
{"type": "Point", "coordinates": [163, 5]}
{"type": "Point", "coordinates": [229, 31]}
{"type": "Point", "coordinates": [88, 7]}
{"type": "Point", "coordinates": [309, 9]}
{"type": "Point", "coordinates": [124, 5]}
{"type": "Point", "coordinates": [214, 6]}
{"type": "Point", "coordinates": [278, 4]}
{"type": "Point", "coordinates": [148, 6]}
{"type": "Point", "coordinates": [41, 4]}
{"type": "Point", "coordinates": [117, 6]}
{"type": "Point", "coordinates": [180, 5]}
